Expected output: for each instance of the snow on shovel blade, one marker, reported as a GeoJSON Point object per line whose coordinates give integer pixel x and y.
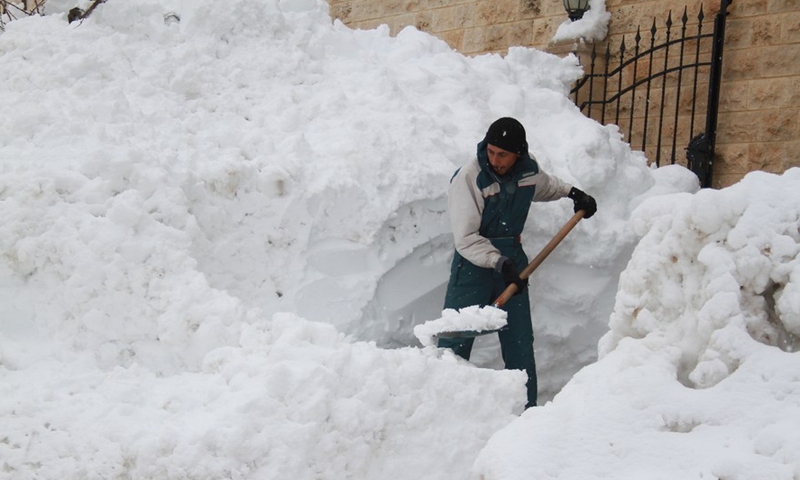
{"type": "Point", "coordinates": [465, 323]}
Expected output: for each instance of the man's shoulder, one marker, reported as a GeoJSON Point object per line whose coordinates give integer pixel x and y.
{"type": "Point", "coordinates": [529, 166]}
{"type": "Point", "coordinates": [469, 170]}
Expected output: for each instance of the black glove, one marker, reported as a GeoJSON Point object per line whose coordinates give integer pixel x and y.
{"type": "Point", "coordinates": [510, 276]}
{"type": "Point", "coordinates": [583, 202]}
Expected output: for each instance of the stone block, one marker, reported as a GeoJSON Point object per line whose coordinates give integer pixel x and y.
{"type": "Point", "coordinates": [374, 9]}
{"type": "Point", "coordinates": [501, 37]}
{"type": "Point", "coordinates": [780, 60]}
{"type": "Point", "coordinates": [626, 20]}
{"type": "Point", "coordinates": [782, 6]}
{"type": "Point", "coordinates": [765, 156]}
{"type": "Point", "coordinates": [748, 8]}
{"type": "Point", "coordinates": [760, 126]}
{"type": "Point", "coordinates": [454, 38]}
{"type": "Point", "coordinates": [454, 17]}
{"type": "Point", "coordinates": [769, 93]}
{"type": "Point", "coordinates": [743, 126]}
{"type": "Point", "coordinates": [766, 30]}
{"type": "Point", "coordinates": [549, 8]}
{"type": "Point", "coordinates": [734, 96]}
{"type": "Point", "coordinates": [432, 4]}
{"type": "Point", "coordinates": [423, 21]}
{"type": "Point", "coordinates": [497, 12]}
{"type": "Point", "coordinates": [794, 91]}
{"type": "Point", "coordinates": [473, 40]}
{"type": "Point", "coordinates": [741, 64]}
{"type": "Point", "coordinates": [541, 31]}
{"type": "Point", "coordinates": [533, 8]}
{"type": "Point", "coordinates": [778, 125]}
{"type": "Point", "coordinates": [791, 155]}
{"type": "Point", "coordinates": [360, 11]}
{"type": "Point", "coordinates": [645, 4]}
{"type": "Point", "coordinates": [790, 28]}
{"type": "Point", "coordinates": [495, 38]}
{"type": "Point", "coordinates": [731, 158]}
{"type": "Point", "coordinates": [530, 9]}
{"type": "Point", "coordinates": [738, 33]}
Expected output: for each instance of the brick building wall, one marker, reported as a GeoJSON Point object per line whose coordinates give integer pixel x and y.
{"type": "Point", "coordinates": [759, 117]}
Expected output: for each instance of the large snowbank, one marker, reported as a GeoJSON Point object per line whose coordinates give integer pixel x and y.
{"type": "Point", "coordinates": [220, 226]}
{"type": "Point", "coordinates": [699, 374]}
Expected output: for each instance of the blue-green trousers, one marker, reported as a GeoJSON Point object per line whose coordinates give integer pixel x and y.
{"type": "Point", "coordinates": [472, 285]}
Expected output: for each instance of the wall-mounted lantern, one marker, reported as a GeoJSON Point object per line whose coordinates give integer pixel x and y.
{"type": "Point", "coordinates": [576, 8]}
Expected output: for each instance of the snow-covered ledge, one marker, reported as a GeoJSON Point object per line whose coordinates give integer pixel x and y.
{"type": "Point", "coordinates": [579, 36]}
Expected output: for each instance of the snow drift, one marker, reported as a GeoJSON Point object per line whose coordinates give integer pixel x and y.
{"type": "Point", "coordinates": [699, 373]}
{"type": "Point", "coordinates": [220, 226]}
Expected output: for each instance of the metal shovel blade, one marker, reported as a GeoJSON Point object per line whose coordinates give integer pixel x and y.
{"type": "Point", "coordinates": [469, 333]}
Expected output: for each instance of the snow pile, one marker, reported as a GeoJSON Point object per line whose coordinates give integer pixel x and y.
{"type": "Point", "coordinates": [182, 185]}
{"type": "Point", "coordinates": [198, 171]}
{"type": "Point", "coordinates": [700, 374]}
{"type": "Point", "coordinates": [295, 399]}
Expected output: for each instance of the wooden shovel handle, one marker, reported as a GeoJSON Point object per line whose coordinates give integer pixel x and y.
{"type": "Point", "coordinates": [527, 271]}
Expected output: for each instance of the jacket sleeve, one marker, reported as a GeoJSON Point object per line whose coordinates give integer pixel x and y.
{"type": "Point", "coordinates": [549, 187]}
{"type": "Point", "coordinates": [465, 206]}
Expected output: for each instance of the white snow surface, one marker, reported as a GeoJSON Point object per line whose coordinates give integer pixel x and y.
{"type": "Point", "coordinates": [221, 224]}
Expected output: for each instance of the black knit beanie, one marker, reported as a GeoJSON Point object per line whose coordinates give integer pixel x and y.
{"type": "Point", "coordinates": [508, 134]}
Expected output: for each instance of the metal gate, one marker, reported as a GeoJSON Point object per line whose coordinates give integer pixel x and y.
{"type": "Point", "coordinates": [655, 93]}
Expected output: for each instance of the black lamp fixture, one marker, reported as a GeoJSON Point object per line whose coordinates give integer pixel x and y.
{"type": "Point", "coordinates": [576, 8]}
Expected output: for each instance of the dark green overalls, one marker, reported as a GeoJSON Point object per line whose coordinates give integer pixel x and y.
{"type": "Point", "coordinates": [502, 223]}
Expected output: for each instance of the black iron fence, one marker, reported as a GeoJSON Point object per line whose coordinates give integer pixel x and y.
{"type": "Point", "coordinates": [662, 95]}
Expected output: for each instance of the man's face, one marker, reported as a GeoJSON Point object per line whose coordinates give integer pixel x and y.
{"type": "Point", "coordinates": [500, 160]}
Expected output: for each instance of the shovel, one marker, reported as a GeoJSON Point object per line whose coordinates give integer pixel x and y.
{"type": "Point", "coordinates": [526, 272]}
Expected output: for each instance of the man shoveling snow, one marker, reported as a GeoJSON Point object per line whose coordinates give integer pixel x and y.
{"type": "Point", "coordinates": [488, 202]}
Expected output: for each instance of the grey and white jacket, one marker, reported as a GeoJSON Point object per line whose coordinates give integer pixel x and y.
{"type": "Point", "coordinates": [484, 207]}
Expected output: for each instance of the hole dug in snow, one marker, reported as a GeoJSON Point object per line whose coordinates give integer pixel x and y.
{"type": "Point", "coordinates": [728, 346]}
{"type": "Point", "coordinates": [774, 331]}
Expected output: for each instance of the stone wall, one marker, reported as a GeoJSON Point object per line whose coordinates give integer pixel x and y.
{"type": "Point", "coordinates": [469, 26]}
{"type": "Point", "coordinates": [758, 126]}
{"type": "Point", "coordinates": [759, 122]}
